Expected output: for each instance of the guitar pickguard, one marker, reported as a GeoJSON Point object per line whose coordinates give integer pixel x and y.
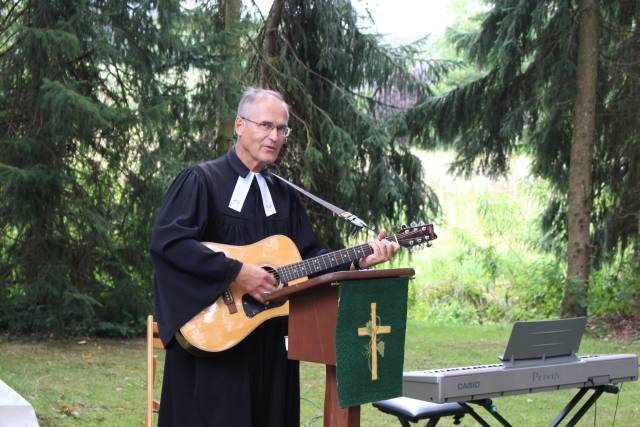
{"type": "Point", "coordinates": [253, 307]}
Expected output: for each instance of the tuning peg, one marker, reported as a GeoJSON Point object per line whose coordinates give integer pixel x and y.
{"type": "Point", "coordinates": [422, 223]}
{"type": "Point", "coordinates": [419, 240]}
{"type": "Point", "coordinates": [413, 224]}
{"type": "Point", "coordinates": [403, 227]}
{"type": "Point", "coordinates": [429, 244]}
{"type": "Point", "coordinates": [411, 242]}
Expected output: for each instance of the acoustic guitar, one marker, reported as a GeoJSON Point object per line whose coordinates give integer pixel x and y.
{"type": "Point", "coordinates": [235, 314]}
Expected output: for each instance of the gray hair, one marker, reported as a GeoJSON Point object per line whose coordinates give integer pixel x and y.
{"type": "Point", "coordinates": [253, 94]}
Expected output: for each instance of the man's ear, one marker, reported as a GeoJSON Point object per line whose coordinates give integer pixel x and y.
{"type": "Point", "coordinates": [239, 125]}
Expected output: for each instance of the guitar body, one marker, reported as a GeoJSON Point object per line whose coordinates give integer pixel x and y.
{"type": "Point", "coordinates": [217, 327]}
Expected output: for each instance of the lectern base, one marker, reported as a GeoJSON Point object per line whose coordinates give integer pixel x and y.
{"type": "Point", "coordinates": [334, 415]}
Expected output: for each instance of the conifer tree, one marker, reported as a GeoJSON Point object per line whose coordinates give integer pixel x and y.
{"type": "Point", "coordinates": [525, 102]}
{"type": "Point", "coordinates": [345, 144]}
{"type": "Point", "coordinates": [88, 106]}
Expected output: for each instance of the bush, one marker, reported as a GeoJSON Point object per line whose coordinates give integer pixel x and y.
{"type": "Point", "coordinates": [614, 290]}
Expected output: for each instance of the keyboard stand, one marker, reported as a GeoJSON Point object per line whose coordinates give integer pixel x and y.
{"type": "Point", "coordinates": [488, 405]}
{"type": "Point", "coordinates": [597, 392]}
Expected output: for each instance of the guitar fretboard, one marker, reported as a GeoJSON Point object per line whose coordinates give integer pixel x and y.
{"type": "Point", "coordinates": [313, 265]}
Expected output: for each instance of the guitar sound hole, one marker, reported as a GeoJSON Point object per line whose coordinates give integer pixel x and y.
{"type": "Point", "coordinates": [274, 273]}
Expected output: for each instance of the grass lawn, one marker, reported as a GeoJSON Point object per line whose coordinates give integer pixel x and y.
{"type": "Point", "coordinates": [102, 382]}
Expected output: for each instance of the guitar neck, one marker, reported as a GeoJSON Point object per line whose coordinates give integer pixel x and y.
{"type": "Point", "coordinates": [314, 265]}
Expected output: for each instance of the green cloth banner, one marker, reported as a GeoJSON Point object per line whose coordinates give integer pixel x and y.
{"type": "Point", "coordinates": [370, 331]}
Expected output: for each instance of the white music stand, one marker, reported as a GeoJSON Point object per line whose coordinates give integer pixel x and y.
{"type": "Point", "coordinates": [543, 342]}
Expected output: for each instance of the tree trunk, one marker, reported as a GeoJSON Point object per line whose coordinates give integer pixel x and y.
{"type": "Point", "coordinates": [231, 16]}
{"type": "Point", "coordinates": [270, 42]}
{"type": "Point", "coordinates": [634, 191]}
{"type": "Point", "coordinates": [231, 12]}
{"type": "Point", "coordinates": [632, 196]}
{"type": "Point", "coordinates": [637, 247]}
{"type": "Point", "coordinates": [580, 169]}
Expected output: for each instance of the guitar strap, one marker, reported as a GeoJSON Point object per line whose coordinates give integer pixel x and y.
{"type": "Point", "coordinates": [356, 223]}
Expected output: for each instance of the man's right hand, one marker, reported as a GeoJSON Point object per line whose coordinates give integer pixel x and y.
{"type": "Point", "coordinates": [255, 280]}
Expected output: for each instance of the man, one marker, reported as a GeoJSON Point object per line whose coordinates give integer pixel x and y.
{"type": "Point", "coordinates": [232, 200]}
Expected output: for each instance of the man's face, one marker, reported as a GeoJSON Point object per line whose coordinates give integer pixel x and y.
{"type": "Point", "coordinates": [256, 146]}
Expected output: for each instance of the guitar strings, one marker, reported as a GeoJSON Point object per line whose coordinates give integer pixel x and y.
{"type": "Point", "coordinates": [313, 265]}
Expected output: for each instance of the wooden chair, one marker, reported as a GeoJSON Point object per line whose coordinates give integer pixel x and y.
{"type": "Point", "coordinates": [153, 342]}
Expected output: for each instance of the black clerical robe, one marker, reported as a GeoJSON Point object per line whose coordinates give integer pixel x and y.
{"type": "Point", "coordinates": [253, 383]}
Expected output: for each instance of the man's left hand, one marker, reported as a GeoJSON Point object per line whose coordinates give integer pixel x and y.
{"type": "Point", "coordinates": [383, 250]}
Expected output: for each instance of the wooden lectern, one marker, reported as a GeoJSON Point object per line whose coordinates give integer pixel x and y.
{"type": "Point", "coordinates": [313, 307]}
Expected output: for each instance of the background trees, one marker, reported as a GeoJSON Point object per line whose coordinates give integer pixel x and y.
{"type": "Point", "coordinates": [103, 102]}
{"type": "Point", "coordinates": [92, 99]}
{"type": "Point", "coordinates": [525, 101]}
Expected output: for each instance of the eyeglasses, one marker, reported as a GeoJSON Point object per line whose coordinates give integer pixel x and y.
{"type": "Point", "coordinates": [267, 127]}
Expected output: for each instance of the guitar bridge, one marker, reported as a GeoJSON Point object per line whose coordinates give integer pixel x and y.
{"type": "Point", "coordinates": [227, 297]}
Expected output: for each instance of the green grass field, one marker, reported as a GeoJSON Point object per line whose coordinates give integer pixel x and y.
{"type": "Point", "coordinates": [102, 382]}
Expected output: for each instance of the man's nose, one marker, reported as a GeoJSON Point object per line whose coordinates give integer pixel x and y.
{"type": "Point", "coordinates": [273, 134]}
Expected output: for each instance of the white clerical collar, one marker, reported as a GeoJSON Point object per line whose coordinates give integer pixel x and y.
{"type": "Point", "coordinates": [242, 189]}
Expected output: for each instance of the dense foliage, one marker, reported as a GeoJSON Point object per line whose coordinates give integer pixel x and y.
{"type": "Point", "coordinates": [488, 266]}
{"type": "Point", "coordinates": [82, 105]}
{"type": "Point", "coordinates": [103, 102]}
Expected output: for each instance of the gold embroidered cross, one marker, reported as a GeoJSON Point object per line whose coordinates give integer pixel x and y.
{"type": "Point", "coordinates": [373, 330]}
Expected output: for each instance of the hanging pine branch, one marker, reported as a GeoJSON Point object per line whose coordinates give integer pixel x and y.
{"type": "Point", "coordinates": [345, 143]}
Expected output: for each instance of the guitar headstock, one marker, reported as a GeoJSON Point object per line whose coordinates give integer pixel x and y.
{"type": "Point", "coordinates": [415, 234]}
